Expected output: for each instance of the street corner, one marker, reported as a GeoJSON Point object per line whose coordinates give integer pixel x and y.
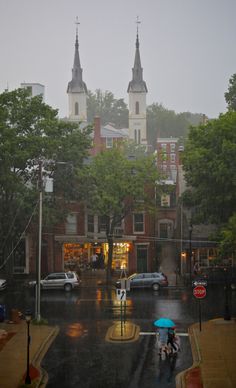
{"type": "Point", "coordinates": [189, 378]}
{"type": "Point", "coordinates": [122, 332]}
{"type": "Point", "coordinates": [44, 337]}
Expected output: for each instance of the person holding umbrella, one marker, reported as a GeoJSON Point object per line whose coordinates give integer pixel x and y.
{"type": "Point", "coordinates": [165, 329]}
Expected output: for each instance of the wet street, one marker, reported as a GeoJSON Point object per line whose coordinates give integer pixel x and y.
{"type": "Point", "coordinates": [80, 356]}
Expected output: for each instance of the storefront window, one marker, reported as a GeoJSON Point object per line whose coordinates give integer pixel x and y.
{"type": "Point", "coordinates": [120, 255]}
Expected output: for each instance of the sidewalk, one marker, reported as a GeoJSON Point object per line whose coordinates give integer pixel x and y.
{"type": "Point", "coordinates": [214, 356]}
{"type": "Point", "coordinates": [13, 353]}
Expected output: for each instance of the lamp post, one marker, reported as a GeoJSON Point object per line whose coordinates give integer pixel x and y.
{"type": "Point", "coordinates": [38, 288]}
{"type": "Point", "coordinates": [28, 316]}
{"type": "Point", "coordinates": [190, 229]}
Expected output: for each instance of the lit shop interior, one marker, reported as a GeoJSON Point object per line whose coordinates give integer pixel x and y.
{"type": "Point", "coordinates": [78, 256]}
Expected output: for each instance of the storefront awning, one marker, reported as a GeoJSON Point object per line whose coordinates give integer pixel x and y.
{"type": "Point", "coordinates": [89, 239]}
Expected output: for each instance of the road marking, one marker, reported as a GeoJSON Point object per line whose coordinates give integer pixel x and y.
{"type": "Point", "coordinates": [154, 333]}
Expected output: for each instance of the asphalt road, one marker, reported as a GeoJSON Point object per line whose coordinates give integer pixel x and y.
{"type": "Point", "coordinates": [80, 357]}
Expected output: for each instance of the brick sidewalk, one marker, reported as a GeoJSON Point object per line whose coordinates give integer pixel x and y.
{"type": "Point", "coordinates": [13, 353]}
{"type": "Point", "coordinates": [214, 356]}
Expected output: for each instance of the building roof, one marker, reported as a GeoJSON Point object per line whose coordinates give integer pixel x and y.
{"type": "Point", "coordinates": [109, 131]}
{"type": "Point", "coordinates": [167, 139]}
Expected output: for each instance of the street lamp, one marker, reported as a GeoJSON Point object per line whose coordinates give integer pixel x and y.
{"type": "Point", "coordinates": [190, 229]}
{"type": "Point", "coordinates": [28, 316]}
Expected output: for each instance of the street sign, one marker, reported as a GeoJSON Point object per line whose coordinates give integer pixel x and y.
{"type": "Point", "coordinates": [199, 292]}
{"type": "Point", "coordinates": [125, 284]}
{"type": "Point", "coordinates": [199, 282]}
{"type": "Point", "coordinates": [121, 294]}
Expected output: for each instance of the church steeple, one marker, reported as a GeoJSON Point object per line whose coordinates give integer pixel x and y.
{"type": "Point", "coordinates": [77, 89]}
{"type": "Point", "coordinates": [137, 84]}
{"type": "Point", "coordinates": [137, 90]}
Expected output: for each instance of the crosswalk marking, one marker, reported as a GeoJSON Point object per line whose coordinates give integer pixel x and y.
{"type": "Point", "coordinates": [154, 333]}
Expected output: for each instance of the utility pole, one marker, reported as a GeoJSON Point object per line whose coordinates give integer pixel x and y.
{"type": "Point", "coordinates": [38, 288]}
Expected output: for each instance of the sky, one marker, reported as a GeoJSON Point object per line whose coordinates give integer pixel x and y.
{"type": "Point", "coordinates": [187, 49]}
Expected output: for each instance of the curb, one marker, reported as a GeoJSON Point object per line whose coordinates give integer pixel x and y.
{"type": "Point", "coordinates": [191, 377]}
{"type": "Point", "coordinates": [128, 332]}
{"type": "Point", "coordinates": [43, 376]}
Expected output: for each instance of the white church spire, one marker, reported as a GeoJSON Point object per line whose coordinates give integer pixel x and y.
{"type": "Point", "coordinates": [77, 89]}
{"type": "Point", "coordinates": [137, 90]}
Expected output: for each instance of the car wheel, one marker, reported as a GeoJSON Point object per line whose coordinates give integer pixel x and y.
{"type": "Point", "coordinates": [67, 287]}
{"type": "Point", "coordinates": [156, 287]}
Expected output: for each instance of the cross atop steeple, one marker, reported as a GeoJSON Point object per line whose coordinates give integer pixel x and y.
{"type": "Point", "coordinates": [77, 24]}
{"type": "Point", "coordinates": [137, 22]}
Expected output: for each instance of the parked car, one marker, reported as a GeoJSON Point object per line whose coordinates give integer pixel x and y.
{"type": "Point", "coordinates": [218, 275]}
{"type": "Point", "coordinates": [154, 280]}
{"type": "Point", "coordinates": [59, 280]}
{"type": "Point", "coordinates": [3, 284]}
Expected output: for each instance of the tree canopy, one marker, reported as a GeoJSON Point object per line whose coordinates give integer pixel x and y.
{"type": "Point", "coordinates": [115, 186]}
{"type": "Point", "coordinates": [162, 122]}
{"type": "Point", "coordinates": [209, 162]}
{"type": "Point", "coordinates": [108, 108]}
{"type": "Point", "coordinates": [230, 95]}
{"type": "Point", "coordinates": [228, 238]}
{"type": "Point", "coordinates": [30, 131]}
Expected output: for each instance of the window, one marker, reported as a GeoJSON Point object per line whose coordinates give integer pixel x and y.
{"type": "Point", "coordinates": [71, 224]}
{"type": "Point", "coordinates": [109, 142]}
{"type": "Point", "coordinates": [90, 223]}
{"type": "Point", "coordinates": [172, 147]}
{"type": "Point", "coordinates": [76, 109]}
{"type": "Point", "coordinates": [138, 223]}
{"type": "Point", "coordinates": [135, 135]}
{"type": "Point", "coordinates": [60, 276]}
{"type": "Point", "coordinates": [172, 158]}
{"type": "Point", "coordinates": [163, 147]}
{"type": "Point", "coordinates": [137, 108]}
{"type": "Point", "coordinates": [102, 224]}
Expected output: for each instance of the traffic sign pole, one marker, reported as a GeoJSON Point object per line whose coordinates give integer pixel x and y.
{"type": "Point", "coordinates": [199, 292]}
{"type": "Point", "coordinates": [200, 314]}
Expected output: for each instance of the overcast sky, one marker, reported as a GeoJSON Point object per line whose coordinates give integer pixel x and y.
{"type": "Point", "coordinates": [187, 47]}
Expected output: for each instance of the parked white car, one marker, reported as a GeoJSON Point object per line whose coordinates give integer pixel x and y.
{"type": "Point", "coordinates": [59, 280]}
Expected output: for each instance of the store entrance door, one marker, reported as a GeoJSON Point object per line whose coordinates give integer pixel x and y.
{"type": "Point", "coordinates": [142, 258]}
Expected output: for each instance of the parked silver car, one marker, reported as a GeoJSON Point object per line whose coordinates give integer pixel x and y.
{"type": "Point", "coordinates": [154, 280]}
{"type": "Point", "coordinates": [59, 280]}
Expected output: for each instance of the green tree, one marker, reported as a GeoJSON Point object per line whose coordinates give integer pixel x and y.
{"type": "Point", "coordinates": [110, 110]}
{"type": "Point", "coordinates": [162, 122]}
{"type": "Point", "coordinates": [116, 186]}
{"type": "Point", "coordinates": [30, 131]}
{"type": "Point", "coordinates": [209, 162]}
{"type": "Point", "coordinates": [230, 96]}
{"type": "Point", "coordinates": [228, 238]}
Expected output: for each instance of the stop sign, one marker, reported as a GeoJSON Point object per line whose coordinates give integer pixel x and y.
{"type": "Point", "coordinates": [199, 292]}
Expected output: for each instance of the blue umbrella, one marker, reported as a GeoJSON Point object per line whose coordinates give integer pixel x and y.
{"type": "Point", "coordinates": [164, 322]}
